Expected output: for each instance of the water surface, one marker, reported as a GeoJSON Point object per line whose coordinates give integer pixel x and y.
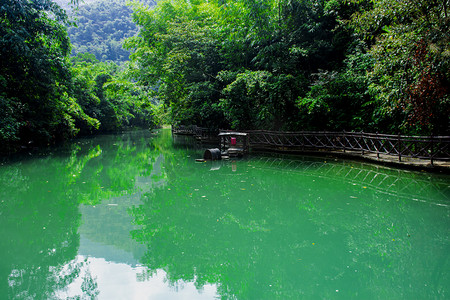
{"type": "Point", "coordinates": [133, 216]}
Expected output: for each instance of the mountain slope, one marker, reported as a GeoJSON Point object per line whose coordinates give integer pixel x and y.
{"type": "Point", "coordinates": [102, 27]}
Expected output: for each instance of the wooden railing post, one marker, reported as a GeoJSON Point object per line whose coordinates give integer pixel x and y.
{"type": "Point", "coordinates": [343, 140]}
{"type": "Point", "coordinates": [399, 147]}
{"type": "Point", "coordinates": [376, 146]}
{"type": "Point", "coordinates": [431, 149]}
{"type": "Point", "coordinates": [303, 141]}
{"type": "Point", "coordinates": [362, 139]}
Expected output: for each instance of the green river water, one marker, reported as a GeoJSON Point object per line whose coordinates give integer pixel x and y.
{"type": "Point", "coordinates": [133, 216]}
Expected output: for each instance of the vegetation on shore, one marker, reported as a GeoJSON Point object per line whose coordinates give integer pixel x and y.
{"type": "Point", "coordinates": [46, 96]}
{"type": "Point", "coordinates": [372, 65]}
{"type": "Point", "coordinates": [298, 64]}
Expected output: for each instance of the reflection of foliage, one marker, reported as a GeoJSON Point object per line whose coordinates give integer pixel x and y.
{"type": "Point", "coordinates": [40, 208]}
{"type": "Point", "coordinates": [89, 286]}
{"type": "Point", "coordinates": [39, 234]}
{"type": "Point", "coordinates": [275, 233]}
{"type": "Point", "coordinates": [77, 165]}
{"type": "Point", "coordinates": [260, 228]}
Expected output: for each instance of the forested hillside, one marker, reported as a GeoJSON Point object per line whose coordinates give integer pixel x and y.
{"type": "Point", "coordinates": [101, 28]}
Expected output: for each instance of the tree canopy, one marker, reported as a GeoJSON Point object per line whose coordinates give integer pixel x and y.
{"type": "Point", "coordinates": [34, 73]}
{"type": "Point", "coordinates": [411, 49]}
{"type": "Point", "coordinates": [44, 95]}
{"type": "Point", "coordinates": [297, 64]}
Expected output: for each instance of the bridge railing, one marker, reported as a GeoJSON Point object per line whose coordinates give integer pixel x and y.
{"type": "Point", "coordinates": [402, 146]}
{"type": "Point", "coordinates": [423, 147]}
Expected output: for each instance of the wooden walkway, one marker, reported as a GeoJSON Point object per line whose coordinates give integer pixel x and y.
{"type": "Point", "coordinates": [201, 134]}
{"type": "Point", "coordinates": [382, 146]}
{"type": "Point", "coordinates": [419, 151]}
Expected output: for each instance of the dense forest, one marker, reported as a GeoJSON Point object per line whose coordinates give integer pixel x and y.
{"type": "Point", "coordinates": [372, 65]}
{"type": "Point", "coordinates": [47, 96]}
{"type": "Point", "coordinates": [101, 28]}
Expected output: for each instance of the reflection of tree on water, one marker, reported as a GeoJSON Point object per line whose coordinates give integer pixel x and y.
{"type": "Point", "coordinates": [275, 233]}
{"type": "Point", "coordinates": [40, 213]}
{"type": "Point", "coordinates": [256, 231]}
{"type": "Point", "coordinates": [39, 235]}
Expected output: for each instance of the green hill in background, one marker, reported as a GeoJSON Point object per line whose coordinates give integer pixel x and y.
{"type": "Point", "coordinates": [101, 27]}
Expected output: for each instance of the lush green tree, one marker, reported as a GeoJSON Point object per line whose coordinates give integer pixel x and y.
{"type": "Point", "coordinates": [339, 100]}
{"type": "Point", "coordinates": [240, 64]}
{"type": "Point", "coordinates": [298, 64]}
{"type": "Point", "coordinates": [36, 104]}
{"type": "Point", "coordinates": [44, 97]}
{"type": "Point", "coordinates": [260, 99]}
{"type": "Point", "coordinates": [84, 87]}
{"type": "Point", "coordinates": [176, 53]}
{"type": "Point", "coordinates": [410, 47]}
{"type": "Point", "coordinates": [106, 95]}
{"type": "Point", "coordinates": [278, 64]}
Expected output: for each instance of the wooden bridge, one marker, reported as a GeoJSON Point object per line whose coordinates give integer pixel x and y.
{"type": "Point", "coordinates": [400, 147]}
{"type": "Point", "coordinates": [201, 134]}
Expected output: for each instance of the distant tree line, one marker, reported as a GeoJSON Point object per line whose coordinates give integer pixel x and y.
{"type": "Point", "coordinates": [373, 65]}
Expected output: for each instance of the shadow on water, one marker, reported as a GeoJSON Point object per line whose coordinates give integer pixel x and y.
{"type": "Point", "coordinates": [137, 208]}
